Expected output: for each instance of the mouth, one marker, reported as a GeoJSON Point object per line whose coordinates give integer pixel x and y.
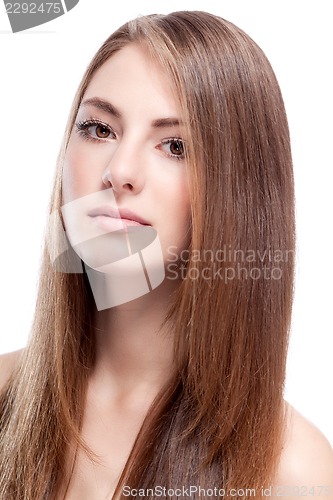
{"type": "Point", "coordinates": [117, 217]}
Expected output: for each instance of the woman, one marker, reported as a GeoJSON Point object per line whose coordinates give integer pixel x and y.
{"type": "Point", "coordinates": [177, 141]}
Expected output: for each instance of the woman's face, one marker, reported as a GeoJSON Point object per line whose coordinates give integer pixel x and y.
{"type": "Point", "coordinates": [124, 164]}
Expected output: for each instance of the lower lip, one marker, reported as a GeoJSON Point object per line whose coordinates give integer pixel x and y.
{"type": "Point", "coordinates": [110, 224]}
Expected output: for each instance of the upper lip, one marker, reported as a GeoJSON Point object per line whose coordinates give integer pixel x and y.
{"type": "Point", "coordinates": [117, 213]}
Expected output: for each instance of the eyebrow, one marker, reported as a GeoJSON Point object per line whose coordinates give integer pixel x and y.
{"type": "Point", "coordinates": [109, 108]}
{"type": "Point", "coordinates": [103, 106]}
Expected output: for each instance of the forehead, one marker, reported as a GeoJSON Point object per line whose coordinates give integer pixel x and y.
{"type": "Point", "coordinates": [131, 76]}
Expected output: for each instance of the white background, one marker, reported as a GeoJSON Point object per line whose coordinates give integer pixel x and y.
{"type": "Point", "coordinates": [40, 70]}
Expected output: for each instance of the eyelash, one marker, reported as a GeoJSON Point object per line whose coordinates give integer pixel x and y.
{"type": "Point", "coordinates": [83, 130]}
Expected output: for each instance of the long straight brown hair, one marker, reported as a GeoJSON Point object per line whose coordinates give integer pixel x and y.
{"type": "Point", "coordinates": [219, 422]}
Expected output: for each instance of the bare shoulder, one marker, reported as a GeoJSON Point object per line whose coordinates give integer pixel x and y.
{"type": "Point", "coordinates": [8, 363]}
{"type": "Point", "coordinates": [306, 465]}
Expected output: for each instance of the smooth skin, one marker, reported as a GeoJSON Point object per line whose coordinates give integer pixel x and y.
{"type": "Point", "coordinates": [134, 360]}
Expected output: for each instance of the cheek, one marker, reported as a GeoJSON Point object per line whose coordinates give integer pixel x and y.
{"type": "Point", "coordinates": [184, 219]}
{"type": "Point", "coordinates": [179, 204]}
{"type": "Point", "coordinates": [175, 213]}
{"type": "Point", "coordinates": [82, 173]}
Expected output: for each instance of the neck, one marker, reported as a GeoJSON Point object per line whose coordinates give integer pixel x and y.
{"type": "Point", "coordinates": [134, 348]}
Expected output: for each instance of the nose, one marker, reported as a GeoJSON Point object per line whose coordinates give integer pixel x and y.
{"type": "Point", "coordinates": [124, 172]}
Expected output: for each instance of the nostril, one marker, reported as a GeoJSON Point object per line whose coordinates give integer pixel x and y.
{"type": "Point", "coordinates": [106, 179]}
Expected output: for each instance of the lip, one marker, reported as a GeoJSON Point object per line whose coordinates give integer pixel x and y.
{"type": "Point", "coordinates": [122, 214]}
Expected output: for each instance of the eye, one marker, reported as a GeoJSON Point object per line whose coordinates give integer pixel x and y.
{"type": "Point", "coordinates": [173, 147]}
{"type": "Point", "coordinates": [95, 130]}
{"type": "Point", "coordinates": [102, 131]}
